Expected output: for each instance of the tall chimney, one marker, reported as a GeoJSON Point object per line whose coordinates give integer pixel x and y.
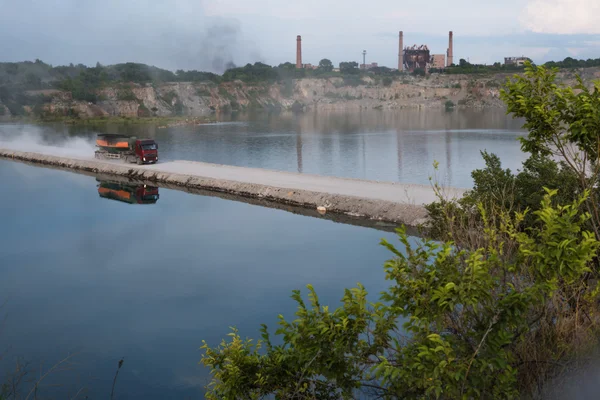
{"type": "Point", "coordinates": [401, 52]}
{"type": "Point", "coordinates": [299, 52]}
{"type": "Point", "coordinates": [450, 60]}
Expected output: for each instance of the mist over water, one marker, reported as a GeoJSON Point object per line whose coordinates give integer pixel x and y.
{"type": "Point", "coordinates": [34, 139]}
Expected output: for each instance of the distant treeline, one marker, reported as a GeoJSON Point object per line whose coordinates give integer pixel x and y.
{"type": "Point", "coordinates": [465, 67]}
{"type": "Point", "coordinates": [84, 82]}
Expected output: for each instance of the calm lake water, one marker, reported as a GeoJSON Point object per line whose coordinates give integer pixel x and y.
{"type": "Point", "coordinates": [86, 274]}
{"type": "Point", "coordinates": [400, 146]}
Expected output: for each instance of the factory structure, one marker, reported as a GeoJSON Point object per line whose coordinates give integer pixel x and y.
{"type": "Point", "coordinates": [409, 58]}
{"type": "Point", "coordinates": [415, 57]}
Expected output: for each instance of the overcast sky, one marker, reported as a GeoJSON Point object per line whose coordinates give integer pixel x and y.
{"type": "Point", "coordinates": [206, 34]}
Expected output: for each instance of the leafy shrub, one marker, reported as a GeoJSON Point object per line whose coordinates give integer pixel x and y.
{"type": "Point", "coordinates": [454, 323]}
{"type": "Point", "coordinates": [419, 72]}
{"type": "Point", "coordinates": [353, 80]}
{"type": "Point", "coordinates": [126, 95]}
{"type": "Point", "coordinates": [169, 97]}
{"type": "Point", "coordinates": [203, 92]}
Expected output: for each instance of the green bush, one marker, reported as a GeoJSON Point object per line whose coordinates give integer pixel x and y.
{"type": "Point", "coordinates": [169, 97]}
{"type": "Point", "coordinates": [287, 89]}
{"type": "Point", "coordinates": [353, 80]}
{"type": "Point", "coordinates": [495, 187]}
{"type": "Point", "coordinates": [454, 323]}
{"type": "Point", "coordinates": [126, 95]}
{"type": "Point", "coordinates": [449, 105]}
{"type": "Point", "coordinates": [419, 72]}
{"type": "Point", "coordinates": [178, 108]}
{"type": "Point", "coordinates": [387, 81]}
{"type": "Point", "coordinates": [203, 92]}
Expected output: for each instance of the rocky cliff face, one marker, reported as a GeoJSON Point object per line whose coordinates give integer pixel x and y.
{"type": "Point", "coordinates": [201, 99]}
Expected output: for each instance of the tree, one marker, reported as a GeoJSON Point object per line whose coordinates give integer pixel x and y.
{"type": "Point", "coordinates": [349, 67]}
{"type": "Point", "coordinates": [563, 123]}
{"type": "Point", "coordinates": [325, 65]}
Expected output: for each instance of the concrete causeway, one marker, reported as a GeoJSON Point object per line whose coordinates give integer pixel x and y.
{"type": "Point", "coordinates": [385, 201]}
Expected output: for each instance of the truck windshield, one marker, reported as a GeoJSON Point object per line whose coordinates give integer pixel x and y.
{"type": "Point", "coordinates": [149, 146]}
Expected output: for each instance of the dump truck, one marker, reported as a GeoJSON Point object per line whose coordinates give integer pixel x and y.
{"type": "Point", "coordinates": [127, 193]}
{"type": "Point", "coordinates": [127, 148]}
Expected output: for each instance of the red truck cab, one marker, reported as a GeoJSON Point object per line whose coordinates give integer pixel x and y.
{"type": "Point", "coordinates": [146, 151]}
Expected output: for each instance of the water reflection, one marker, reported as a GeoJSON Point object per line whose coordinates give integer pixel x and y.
{"type": "Point", "coordinates": [104, 280]}
{"type": "Point", "coordinates": [132, 193]}
{"type": "Point", "coordinates": [389, 146]}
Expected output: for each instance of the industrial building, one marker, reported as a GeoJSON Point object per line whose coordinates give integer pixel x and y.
{"type": "Point", "coordinates": [409, 58]}
{"type": "Point", "coordinates": [438, 61]}
{"type": "Point", "coordinates": [420, 57]}
{"type": "Point", "coordinates": [369, 66]}
{"type": "Point", "coordinates": [516, 61]}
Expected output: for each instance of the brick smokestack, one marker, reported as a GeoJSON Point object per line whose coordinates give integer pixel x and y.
{"type": "Point", "coordinates": [299, 52]}
{"type": "Point", "coordinates": [450, 60]}
{"type": "Point", "coordinates": [401, 52]}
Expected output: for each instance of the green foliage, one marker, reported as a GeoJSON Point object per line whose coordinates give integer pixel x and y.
{"type": "Point", "coordinates": [258, 72]}
{"type": "Point", "coordinates": [178, 108]}
{"type": "Point", "coordinates": [325, 65]}
{"type": "Point", "coordinates": [573, 63]}
{"type": "Point", "coordinates": [126, 95]}
{"type": "Point", "coordinates": [16, 98]}
{"type": "Point", "coordinates": [133, 72]}
{"type": "Point", "coordinates": [419, 72]}
{"type": "Point", "coordinates": [143, 110]}
{"type": "Point", "coordinates": [449, 105]}
{"type": "Point", "coordinates": [84, 86]}
{"type": "Point", "coordinates": [349, 67]}
{"type": "Point", "coordinates": [555, 115]}
{"type": "Point", "coordinates": [169, 97]}
{"type": "Point", "coordinates": [193, 76]}
{"type": "Point", "coordinates": [454, 323]}
{"type": "Point", "coordinates": [287, 89]}
{"type": "Point", "coordinates": [353, 80]}
{"type": "Point", "coordinates": [497, 188]}
{"type": "Point", "coordinates": [203, 92]}
{"type": "Point", "coordinates": [387, 81]}
{"type": "Point", "coordinates": [465, 67]}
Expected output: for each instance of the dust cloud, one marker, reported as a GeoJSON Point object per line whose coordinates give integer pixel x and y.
{"type": "Point", "coordinates": [36, 140]}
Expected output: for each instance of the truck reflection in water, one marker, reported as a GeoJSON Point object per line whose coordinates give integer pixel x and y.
{"type": "Point", "coordinates": [132, 193]}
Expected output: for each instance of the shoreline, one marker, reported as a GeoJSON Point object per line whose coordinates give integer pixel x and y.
{"type": "Point", "coordinates": [388, 202]}
{"type": "Point", "coordinates": [161, 122]}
